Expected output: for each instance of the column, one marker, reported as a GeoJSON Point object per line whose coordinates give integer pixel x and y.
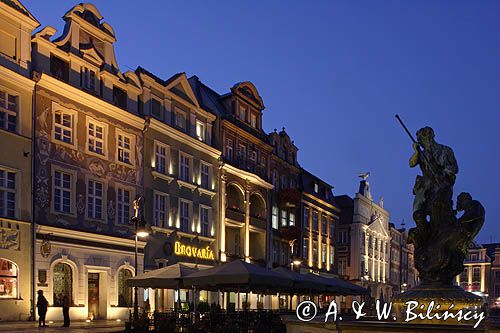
{"type": "Point", "coordinates": [310, 238]}
{"type": "Point", "coordinates": [483, 278]}
{"type": "Point", "coordinates": [384, 261]}
{"type": "Point", "coordinates": [328, 237]}
{"type": "Point", "coordinates": [247, 223]}
{"type": "Point", "coordinates": [320, 239]}
{"type": "Point", "coordinates": [373, 258]}
{"type": "Point", "coordinates": [222, 214]}
{"type": "Point", "coordinates": [379, 259]}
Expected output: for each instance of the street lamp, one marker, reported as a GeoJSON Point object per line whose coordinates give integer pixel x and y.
{"type": "Point", "coordinates": [142, 231]}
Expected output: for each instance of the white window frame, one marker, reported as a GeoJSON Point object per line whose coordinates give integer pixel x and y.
{"type": "Point", "coordinates": [209, 222]}
{"type": "Point", "coordinates": [103, 198]}
{"type": "Point", "coordinates": [189, 178]}
{"type": "Point", "coordinates": [167, 157]}
{"type": "Point", "coordinates": [209, 175]}
{"type": "Point", "coordinates": [104, 139]}
{"type": "Point", "coordinates": [291, 218]}
{"type": "Point", "coordinates": [274, 217]}
{"type": "Point", "coordinates": [118, 188]}
{"type": "Point", "coordinates": [158, 210]}
{"type": "Point", "coordinates": [6, 112]}
{"type": "Point", "coordinates": [284, 218]}
{"type": "Point", "coordinates": [73, 129]}
{"type": "Point", "coordinates": [131, 150]}
{"type": "Point", "coordinates": [4, 190]}
{"type": "Point", "coordinates": [72, 190]}
{"type": "Point", "coordinates": [190, 226]}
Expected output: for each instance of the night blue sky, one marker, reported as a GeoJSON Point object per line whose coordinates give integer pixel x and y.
{"type": "Point", "coordinates": [334, 73]}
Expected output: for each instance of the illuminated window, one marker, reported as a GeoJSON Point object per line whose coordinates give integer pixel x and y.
{"type": "Point", "coordinates": [64, 126]}
{"type": "Point", "coordinates": [160, 209]}
{"type": "Point", "coordinates": [274, 220]}
{"type": "Point", "coordinates": [316, 188]}
{"type": "Point", "coordinates": [161, 157]}
{"type": "Point", "coordinates": [95, 193]}
{"type": "Point", "coordinates": [331, 254]}
{"type": "Point", "coordinates": [7, 194]}
{"type": "Point", "coordinates": [253, 120]}
{"type": "Point", "coordinates": [291, 218]}
{"type": "Point", "coordinates": [63, 283]}
{"type": "Point", "coordinates": [125, 143]}
{"type": "Point", "coordinates": [124, 292]}
{"type": "Point", "coordinates": [283, 218]}
{"type": "Point", "coordinates": [63, 183]}
{"type": "Point", "coordinates": [242, 113]}
{"type": "Point", "coordinates": [95, 137]}
{"type": "Point", "coordinates": [323, 253]}
{"type": "Point", "coordinates": [8, 111]}
{"type": "Point", "coordinates": [305, 248]}
{"type": "Point", "coordinates": [123, 206]}
{"type": "Point", "coordinates": [8, 279]}
{"type": "Point", "coordinates": [315, 252]}
{"type": "Point", "coordinates": [200, 131]}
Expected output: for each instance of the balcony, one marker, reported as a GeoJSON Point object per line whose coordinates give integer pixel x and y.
{"type": "Point", "coordinates": [258, 222]}
{"type": "Point", "coordinates": [235, 215]}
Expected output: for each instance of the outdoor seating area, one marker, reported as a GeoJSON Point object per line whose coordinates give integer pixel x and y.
{"type": "Point", "coordinates": [238, 277]}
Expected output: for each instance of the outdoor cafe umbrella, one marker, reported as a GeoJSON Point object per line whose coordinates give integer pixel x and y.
{"type": "Point", "coordinates": [303, 283]}
{"type": "Point", "coordinates": [169, 277]}
{"type": "Point", "coordinates": [238, 275]}
{"type": "Point", "coordinates": [338, 286]}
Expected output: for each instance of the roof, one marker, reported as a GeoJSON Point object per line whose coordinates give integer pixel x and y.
{"type": "Point", "coordinates": [490, 249]}
{"type": "Point", "coordinates": [141, 70]}
{"type": "Point", "coordinates": [17, 5]}
{"type": "Point", "coordinates": [308, 181]}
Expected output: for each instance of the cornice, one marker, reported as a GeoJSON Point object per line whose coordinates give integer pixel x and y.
{"type": "Point", "coordinates": [240, 131]}
{"type": "Point", "coordinates": [89, 100]}
{"type": "Point", "coordinates": [253, 178]}
{"type": "Point", "coordinates": [44, 229]}
{"type": "Point", "coordinates": [7, 10]}
{"type": "Point", "coordinates": [184, 138]}
{"type": "Point", "coordinates": [16, 78]}
{"type": "Point", "coordinates": [321, 201]}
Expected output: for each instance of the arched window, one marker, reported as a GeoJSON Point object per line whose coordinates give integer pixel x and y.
{"type": "Point", "coordinates": [63, 283]}
{"type": "Point", "coordinates": [124, 292]}
{"type": "Point", "coordinates": [8, 279]}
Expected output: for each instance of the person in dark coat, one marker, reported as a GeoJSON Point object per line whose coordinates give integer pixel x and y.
{"type": "Point", "coordinates": [65, 308]}
{"type": "Point", "coordinates": [41, 305]}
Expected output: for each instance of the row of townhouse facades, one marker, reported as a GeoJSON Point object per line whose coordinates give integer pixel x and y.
{"type": "Point", "coordinates": [481, 275]}
{"type": "Point", "coordinates": [81, 140]}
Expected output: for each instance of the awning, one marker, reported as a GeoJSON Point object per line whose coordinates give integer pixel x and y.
{"type": "Point", "coordinates": [169, 277]}
{"type": "Point", "coordinates": [238, 275]}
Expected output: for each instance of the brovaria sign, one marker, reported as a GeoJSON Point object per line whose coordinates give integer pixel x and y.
{"type": "Point", "coordinates": [193, 251]}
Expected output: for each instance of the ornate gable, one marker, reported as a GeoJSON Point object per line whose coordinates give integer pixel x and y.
{"type": "Point", "coordinates": [247, 91]}
{"type": "Point", "coordinates": [181, 88]}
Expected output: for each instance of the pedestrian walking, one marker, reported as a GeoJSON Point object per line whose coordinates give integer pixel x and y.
{"type": "Point", "coordinates": [41, 305]}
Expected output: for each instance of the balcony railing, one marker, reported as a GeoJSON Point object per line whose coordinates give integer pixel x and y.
{"type": "Point", "coordinates": [235, 215]}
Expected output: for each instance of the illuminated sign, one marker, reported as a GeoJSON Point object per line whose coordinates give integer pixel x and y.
{"type": "Point", "coordinates": [193, 251]}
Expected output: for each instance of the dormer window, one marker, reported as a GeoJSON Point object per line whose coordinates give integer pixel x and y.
{"type": "Point", "coordinates": [119, 97]}
{"type": "Point", "coordinates": [316, 188]}
{"type": "Point", "coordinates": [156, 109]}
{"type": "Point", "coordinates": [59, 68]}
{"type": "Point", "coordinates": [88, 77]}
{"type": "Point", "coordinates": [242, 113]}
{"type": "Point", "coordinates": [180, 118]}
{"type": "Point", "coordinates": [200, 130]}
{"type": "Point", "coordinates": [253, 120]}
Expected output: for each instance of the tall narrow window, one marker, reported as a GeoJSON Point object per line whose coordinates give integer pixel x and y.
{"type": "Point", "coordinates": [242, 113]}
{"type": "Point", "coordinates": [124, 148]}
{"type": "Point", "coordinates": [62, 192]}
{"type": "Point", "coordinates": [64, 126]}
{"type": "Point", "coordinates": [205, 175]}
{"type": "Point", "coordinates": [229, 149]}
{"type": "Point", "coordinates": [160, 158]}
{"type": "Point", "coordinates": [306, 218]}
{"type": "Point", "coordinates": [184, 216]}
{"type": "Point", "coordinates": [7, 194]}
{"type": "Point", "coordinates": [160, 207]}
{"type": "Point", "coordinates": [8, 279]}
{"type": "Point", "coordinates": [123, 206]}
{"type": "Point", "coordinates": [315, 221]}
{"type": "Point", "coordinates": [323, 253]}
{"type": "Point", "coordinates": [242, 152]}
{"type": "Point", "coordinates": [119, 97]}
{"type": "Point", "coordinates": [8, 111]}
{"type": "Point", "coordinates": [331, 255]}
{"type": "Point", "coordinates": [204, 222]}
{"type": "Point", "coordinates": [200, 130]}
{"type": "Point", "coordinates": [95, 137]}
{"type": "Point", "coordinates": [283, 218]}
{"type": "Point", "coordinates": [124, 291]}
{"type": "Point", "coordinates": [185, 172]}
{"type": "Point", "coordinates": [315, 252]}
{"type": "Point", "coordinates": [180, 119]}
{"type": "Point", "coordinates": [156, 109]}
{"type": "Point", "coordinates": [324, 224]}
{"type": "Point", "coordinates": [95, 191]}
{"type": "Point", "coordinates": [274, 220]}
{"type": "Point", "coordinates": [253, 120]}
{"type": "Point", "coordinates": [305, 248]}
{"type": "Point", "coordinates": [291, 218]}
{"type": "Point", "coordinates": [274, 176]}
{"type": "Point", "coordinates": [88, 79]}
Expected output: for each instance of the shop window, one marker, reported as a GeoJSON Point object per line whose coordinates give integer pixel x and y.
{"type": "Point", "coordinates": [63, 283]}
{"type": "Point", "coordinates": [124, 292]}
{"type": "Point", "coordinates": [8, 279]}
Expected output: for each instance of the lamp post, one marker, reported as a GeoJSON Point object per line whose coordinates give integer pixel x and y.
{"type": "Point", "coordinates": [140, 231]}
